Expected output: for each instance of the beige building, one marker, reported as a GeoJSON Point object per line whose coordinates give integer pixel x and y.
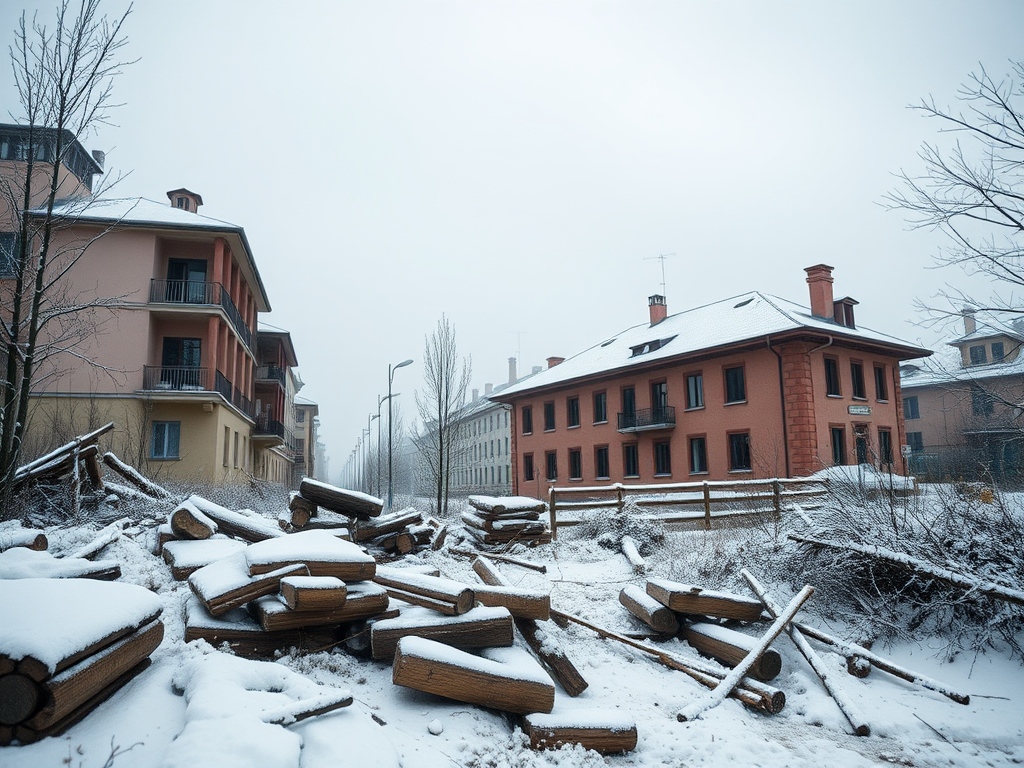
{"type": "Point", "coordinates": [306, 437]}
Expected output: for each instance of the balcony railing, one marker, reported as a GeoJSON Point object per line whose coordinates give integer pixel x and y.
{"type": "Point", "coordinates": [223, 386]}
{"type": "Point", "coordinates": [202, 294]}
{"type": "Point", "coordinates": [175, 378]}
{"type": "Point", "coordinates": [273, 372]}
{"type": "Point", "coordinates": [267, 426]}
{"type": "Point", "coordinates": [648, 418]}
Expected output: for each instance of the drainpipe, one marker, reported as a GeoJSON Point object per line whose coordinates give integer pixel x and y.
{"type": "Point", "coordinates": [826, 345]}
{"type": "Point", "coordinates": [782, 402]}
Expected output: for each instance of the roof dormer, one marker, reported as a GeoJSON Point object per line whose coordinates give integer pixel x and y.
{"type": "Point", "coordinates": [185, 200]}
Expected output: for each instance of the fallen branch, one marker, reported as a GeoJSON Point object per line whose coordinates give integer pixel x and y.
{"type": "Point", "coordinates": [503, 558]}
{"type": "Point", "coordinates": [632, 553]}
{"type": "Point", "coordinates": [306, 708]}
{"type": "Point", "coordinates": [108, 535]}
{"type": "Point", "coordinates": [148, 487]}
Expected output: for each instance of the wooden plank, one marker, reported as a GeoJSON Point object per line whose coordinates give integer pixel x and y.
{"type": "Point", "coordinates": [226, 584]}
{"type": "Point", "coordinates": [313, 593]}
{"type": "Point", "coordinates": [604, 731]}
{"type": "Point", "coordinates": [443, 590]}
{"type": "Point", "coordinates": [364, 599]}
{"type": "Point", "coordinates": [385, 524]}
{"type": "Point", "coordinates": [684, 598]}
{"type": "Point", "coordinates": [652, 613]}
{"type": "Point", "coordinates": [433, 667]}
{"type": "Point", "coordinates": [322, 553]}
{"type": "Point", "coordinates": [480, 628]}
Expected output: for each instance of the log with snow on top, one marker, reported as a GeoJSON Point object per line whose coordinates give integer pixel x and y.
{"type": "Point", "coordinates": [321, 552]}
{"type": "Point", "coordinates": [105, 537]}
{"type": "Point", "coordinates": [512, 682]}
{"type": "Point", "coordinates": [22, 563]}
{"type": "Point", "coordinates": [313, 593]}
{"type": "Point", "coordinates": [23, 537]}
{"type": "Point", "coordinates": [685, 598]}
{"type": "Point", "coordinates": [731, 647]}
{"type": "Point", "coordinates": [385, 524]}
{"type": "Point", "coordinates": [60, 460]}
{"type": "Point", "coordinates": [361, 506]}
{"type": "Point", "coordinates": [507, 505]}
{"type": "Point", "coordinates": [402, 583]}
{"type": "Point", "coordinates": [602, 730]}
{"type": "Point", "coordinates": [307, 708]}
{"type": "Point", "coordinates": [479, 628]}
{"type": "Point", "coordinates": [226, 583]}
{"type": "Point", "coordinates": [242, 524]}
{"type": "Point", "coordinates": [847, 707]}
{"type": "Point", "coordinates": [144, 484]}
{"type": "Point", "coordinates": [632, 554]}
{"type": "Point", "coordinates": [497, 591]}
{"type": "Point", "coordinates": [652, 613]}
{"type": "Point", "coordinates": [188, 522]}
{"type": "Point", "coordinates": [301, 509]}
{"type": "Point", "coordinates": [363, 599]}
{"type": "Point", "coordinates": [187, 556]}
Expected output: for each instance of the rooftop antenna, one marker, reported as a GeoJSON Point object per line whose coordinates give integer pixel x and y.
{"type": "Point", "coordinates": [519, 346]}
{"type": "Point", "coordinates": [661, 257]}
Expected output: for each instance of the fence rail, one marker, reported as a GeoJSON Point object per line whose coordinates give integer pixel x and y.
{"type": "Point", "coordinates": [706, 494]}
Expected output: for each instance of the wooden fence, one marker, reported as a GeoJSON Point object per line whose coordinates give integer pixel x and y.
{"type": "Point", "coordinates": [752, 497]}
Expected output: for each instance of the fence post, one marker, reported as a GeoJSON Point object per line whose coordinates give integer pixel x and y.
{"type": "Point", "coordinates": [551, 513]}
{"type": "Point", "coordinates": [618, 491]}
{"type": "Point", "coordinates": [707, 506]}
{"type": "Point", "coordinates": [777, 496]}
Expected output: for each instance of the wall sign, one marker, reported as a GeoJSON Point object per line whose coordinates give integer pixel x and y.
{"type": "Point", "coordinates": [859, 410]}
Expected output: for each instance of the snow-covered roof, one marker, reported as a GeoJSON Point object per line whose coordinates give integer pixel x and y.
{"type": "Point", "coordinates": [946, 366]}
{"type": "Point", "coordinates": [749, 316]}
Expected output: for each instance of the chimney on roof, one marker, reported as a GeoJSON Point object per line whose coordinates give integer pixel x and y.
{"type": "Point", "coordinates": [513, 377]}
{"type": "Point", "coordinates": [819, 281]}
{"type": "Point", "coordinates": [476, 395]}
{"type": "Point", "coordinates": [536, 369]}
{"type": "Point", "coordinates": [970, 323]}
{"type": "Point", "coordinates": [658, 308]}
{"type": "Point", "coordinates": [184, 199]}
{"type": "Point", "coordinates": [99, 156]}
{"type": "Point", "coordinates": [553, 361]}
{"type": "Point", "coordinates": [488, 387]}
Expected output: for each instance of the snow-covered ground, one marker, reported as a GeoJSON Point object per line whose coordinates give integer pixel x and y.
{"type": "Point", "coordinates": [388, 725]}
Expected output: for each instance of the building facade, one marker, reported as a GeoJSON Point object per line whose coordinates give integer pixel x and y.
{"type": "Point", "coordinates": [305, 440]}
{"type": "Point", "coordinates": [753, 386]}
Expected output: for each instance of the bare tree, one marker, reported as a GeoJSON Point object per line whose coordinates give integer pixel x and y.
{"type": "Point", "coordinates": [64, 77]}
{"type": "Point", "coordinates": [440, 404]}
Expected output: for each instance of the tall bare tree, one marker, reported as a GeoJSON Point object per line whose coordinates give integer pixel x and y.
{"type": "Point", "coordinates": [64, 77]}
{"type": "Point", "coordinates": [440, 404]}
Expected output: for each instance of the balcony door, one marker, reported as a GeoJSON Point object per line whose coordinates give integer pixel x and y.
{"type": "Point", "coordinates": [659, 399]}
{"type": "Point", "coordinates": [186, 281]}
{"type": "Point", "coordinates": [181, 362]}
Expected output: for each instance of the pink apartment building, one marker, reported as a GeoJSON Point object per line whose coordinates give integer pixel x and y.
{"type": "Point", "coordinates": [752, 386]}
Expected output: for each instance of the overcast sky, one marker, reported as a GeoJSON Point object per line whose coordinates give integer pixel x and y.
{"type": "Point", "coordinates": [518, 166]}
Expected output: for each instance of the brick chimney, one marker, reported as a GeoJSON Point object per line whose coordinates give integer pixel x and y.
{"type": "Point", "coordinates": [658, 307]}
{"type": "Point", "coordinates": [819, 281]}
{"type": "Point", "coordinates": [184, 199]}
{"type": "Point", "coordinates": [553, 361]}
{"type": "Point", "coordinates": [970, 323]}
{"type": "Point", "coordinates": [513, 376]}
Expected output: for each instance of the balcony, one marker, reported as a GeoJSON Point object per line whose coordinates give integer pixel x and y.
{"type": "Point", "coordinates": [267, 426]}
{"type": "Point", "coordinates": [271, 373]}
{"type": "Point", "coordinates": [202, 294]}
{"type": "Point", "coordinates": [645, 419]}
{"type": "Point", "coordinates": [175, 378]}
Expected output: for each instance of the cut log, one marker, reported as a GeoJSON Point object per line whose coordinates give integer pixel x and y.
{"type": "Point", "coordinates": [426, 665]}
{"type": "Point", "coordinates": [632, 554]}
{"type": "Point", "coordinates": [330, 521]}
{"type": "Point", "coordinates": [20, 696]}
{"type": "Point", "coordinates": [438, 541]}
{"type": "Point", "coordinates": [296, 501]}
{"type": "Point", "coordinates": [499, 505]}
{"type": "Point", "coordinates": [717, 695]}
{"type": "Point", "coordinates": [604, 731]}
{"type": "Point", "coordinates": [847, 707]}
{"type": "Point", "coordinates": [226, 584]}
{"type": "Point", "coordinates": [25, 537]}
{"type": "Point", "coordinates": [145, 485]}
{"type": "Point", "coordinates": [456, 593]}
{"type": "Point", "coordinates": [187, 557]}
{"type": "Point", "coordinates": [385, 524]}
{"type": "Point", "coordinates": [731, 647]}
{"type": "Point", "coordinates": [361, 506]}
{"type": "Point", "coordinates": [90, 458]}
{"type": "Point", "coordinates": [188, 522]}
{"type": "Point", "coordinates": [60, 455]}
{"type": "Point", "coordinates": [480, 628]}
{"type": "Point", "coordinates": [163, 535]}
{"type": "Point", "coordinates": [503, 525]}
{"type": "Point", "coordinates": [648, 610]}
{"type": "Point", "coordinates": [251, 527]}
{"type": "Point", "coordinates": [363, 599]}
{"type": "Point", "coordinates": [684, 598]}
{"type": "Point", "coordinates": [521, 603]}
{"type": "Point", "coordinates": [321, 552]}
{"type": "Point", "coordinates": [313, 593]}
{"type": "Point", "coordinates": [442, 607]}
{"type": "Point", "coordinates": [530, 539]}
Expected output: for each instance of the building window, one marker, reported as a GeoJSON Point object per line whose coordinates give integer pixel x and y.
{"type": "Point", "coordinates": [735, 386]}
{"type": "Point", "coordinates": [997, 351]}
{"type": "Point", "coordinates": [629, 401]}
{"type": "Point", "coordinates": [739, 452]}
{"type": "Point", "coordinates": [551, 459]}
{"type": "Point", "coordinates": [572, 407]}
{"type": "Point", "coordinates": [978, 355]}
{"type": "Point", "coordinates": [631, 460]}
{"type": "Point", "coordinates": [659, 397]}
{"type": "Point", "coordinates": [838, 445]}
{"type": "Point", "coordinates": [549, 417]}
{"type": "Point", "coordinates": [832, 386]}
{"type": "Point", "coordinates": [166, 438]}
{"type": "Point", "coordinates": [698, 455]}
{"type": "Point", "coordinates": [600, 407]}
{"type": "Point", "coordinates": [601, 462]}
{"type": "Point", "coordinates": [881, 391]}
{"type": "Point", "coordinates": [527, 466]}
{"type": "Point", "coordinates": [300, 416]}
{"type": "Point", "coordinates": [981, 402]}
{"type": "Point", "coordinates": [235, 457]}
{"type": "Point", "coordinates": [575, 464]}
{"type": "Point", "coordinates": [527, 420]}
{"type": "Point", "coordinates": [885, 446]}
{"type": "Point", "coordinates": [915, 441]}
{"type": "Point", "coordinates": [227, 444]}
{"type": "Point", "coordinates": [694, 391]}
{"type": "Point", "coordinates": [910, 410]}
{"type": "Point", "coordinates": [857, 381]}
{"type": "Point", "coordinates": [662, 459]}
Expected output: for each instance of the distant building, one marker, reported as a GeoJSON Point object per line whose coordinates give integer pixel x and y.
{"type": "Point", "coordinates": [964, 409]}
{"type": "Point", "coordinates": [751, 386]}
{"type": "Point", "coordinates": [485, 457]}
{"type": "Point", "coordinates": [304, 446]}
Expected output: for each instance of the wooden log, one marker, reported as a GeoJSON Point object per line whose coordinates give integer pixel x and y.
{"type": "Point", "coordinates": [90, 458]}
{"type": "Point", "coordinates": [421, 533]}
{"type": "Point", "coordinates": [530, 539]}
{"type": "Point", "coordinates": [313, 593]}
{"type": "Point", "coordinates": [648, 610]}
{"type": "Point", "coordinates": [444, 590]}
{"type": "Point", "coordinates": [361, 506]}
{"type": "Point", "coordinates": [187, 557]}
{"type": "Point", "coordinates": [250, 527]}
{"type": "Point", "coordinates": [385, 524]}
{"type": "Point", "coordinates": [301, 508]}
{"type": "Point", "coordinates": [188, 522]}
{"type": "Point", "coordinates": [322, 553]}
{"type": "Point", "coordinates": [363, 599]}
{"type": "Point", "coordinates": [498, 505]}
{"type": "Point", "coordinates": [604, 731]}
{"type": "Point", "coordinates": [25, 472]}
{"type": "Point", "coordinates": [303, 710]}
{"type": "Point", "coordinates": [847, 707]}
{"type": "Point", "coordinates": [163, 535]}
{"type": "Point", "coordinates": [21, 563]}
{"type": "Point", "coordinates": [105, 537]}
{"type": "Point", "coordinates": [503, 525]}
{"type": "Point", "coordinates": [329, 521]}
{"type": "Point", "coordinates": [632, 554]}
{"type": "Point", "coordinates": [144, 484]}
{"type": "Point", "coordinates": [68, 690]}
{"type": "Point", "coordinates": [442, 607]}
{"type": "Point", "coordinates": [521, 603]}
{"type": "Point", "coordinates": [226, 584]}
{"type": "Point", "coordinates": [683, 598]}
{"type": "Point", "coordinates": [731, 647]}
{"type": "Point", "coordinates": [480, 628]}
{"type": "Point", "coordinates": [20, 697]}
{"type": "Point", "coordinates": [426, 665]}
{"type": "Point", "coordinates": [25, 537]}
{"type": "Point", "coordinates": [717, 695]}
{"type": "Point", "coordinates": [438, 541]}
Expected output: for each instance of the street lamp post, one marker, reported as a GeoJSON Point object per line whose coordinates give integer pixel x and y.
{"type": "Point", "coordinates": [369, 419]}
{"type": "Point", "coordinates": [380, 402]}
{"type": "Point", "coordinates": [391, 378]}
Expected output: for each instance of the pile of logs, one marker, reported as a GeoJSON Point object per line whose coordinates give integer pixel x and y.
{"type": "Point", "coordinates": [503, 520]}
{"type": "Point", "coordinates": [401, 533]}
{"type": "Point", "coordinates": [53, 674]}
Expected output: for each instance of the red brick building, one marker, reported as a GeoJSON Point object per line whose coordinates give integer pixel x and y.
{"type": "Point", "coordinates": [752, 386]}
